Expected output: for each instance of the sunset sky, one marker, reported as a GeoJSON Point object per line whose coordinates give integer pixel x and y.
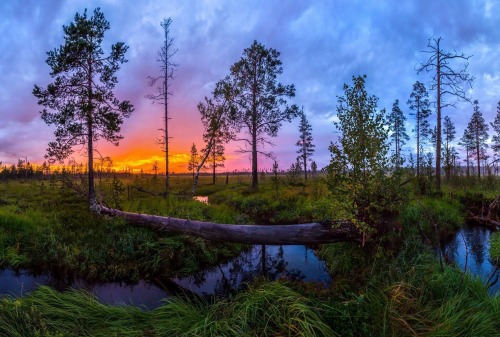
{"type": "Point", "coordinates": [322, 44]}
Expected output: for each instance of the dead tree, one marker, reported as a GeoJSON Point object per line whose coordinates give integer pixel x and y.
{"type": "Point", "coordinates": [445, 81]}
{"type": "Point", "coordinates": [167, 68]}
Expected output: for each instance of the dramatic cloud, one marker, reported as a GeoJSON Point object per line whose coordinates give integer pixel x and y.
{"type": "Point", "coordinates": [322, 44]}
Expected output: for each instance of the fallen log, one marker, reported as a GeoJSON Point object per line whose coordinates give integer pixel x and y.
{"type": "Point", "coordinates": [299, 234]}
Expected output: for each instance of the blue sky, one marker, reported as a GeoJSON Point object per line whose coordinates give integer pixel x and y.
{"type": "Point", "coordinates": [322, 44]}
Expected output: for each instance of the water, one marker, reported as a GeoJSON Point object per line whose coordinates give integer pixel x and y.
{"type": "Point", "coordinates": [292, 262]}
{"type": "Point", "coordinates": [477, 244]}
{"type": "Point", "coordinates": [142, 294]}
{"type": "Point", "coordinates": [273, 262]}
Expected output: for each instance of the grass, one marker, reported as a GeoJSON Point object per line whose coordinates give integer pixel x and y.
{"type": "Point", "coordinates": [390, 287]}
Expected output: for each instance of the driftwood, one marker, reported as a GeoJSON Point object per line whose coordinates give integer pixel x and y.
{"type": "Point", "coordinates": [490, 217]}
{"type": "Point", "coordinates": [300, 234]}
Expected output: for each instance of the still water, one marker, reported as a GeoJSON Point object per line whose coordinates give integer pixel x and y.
{"type": "Point", "coordinates": [228, 278]}
{"type": "Point", "coordinates": [292, 262]}
{"type": "Point", "coordinates": [472, 244]}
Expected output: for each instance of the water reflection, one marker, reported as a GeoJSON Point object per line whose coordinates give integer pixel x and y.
{"type": "Point", "coordinates": [292, 262]}
{"type": "Point", "coordinates": [272, 262]}
{"type": "Point", "coordinates": [471, 246]}
{"type": "Point", "coordinates": [141, 294]}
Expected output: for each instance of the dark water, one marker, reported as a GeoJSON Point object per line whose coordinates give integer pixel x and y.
{"type": "Point", "coordinates": [293, 262]}
{"type": "Point", "coordinates": [142, 294]}
{"type": "Point", "coordinates": [290, 262]}
{"type": "Point", "coordinates": [474, 243]}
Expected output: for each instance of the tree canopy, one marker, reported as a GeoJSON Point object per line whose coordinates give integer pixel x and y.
{"type": "Point", "coordinates": [80, 102]}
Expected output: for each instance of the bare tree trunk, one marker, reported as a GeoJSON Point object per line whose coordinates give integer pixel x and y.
{"type": "Point", "coordinates": [438, 131]}
{"type": "Point", "coordinates": [303, 234]}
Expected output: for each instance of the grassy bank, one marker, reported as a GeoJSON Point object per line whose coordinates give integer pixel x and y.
{"type": "Point", "coordinates": [49, 228]}
{"type": "Point", "coordinates": [374, 293]}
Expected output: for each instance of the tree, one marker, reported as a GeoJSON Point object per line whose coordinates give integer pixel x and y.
{"type": "Point", "coordinates": [259, 102]}
{"type": "Point", "coordinates": [215, 118]}
{"type": "Point", "coordinates": [216, 156]}
{"type": "Point", "coordinates": [396, 120]}
{"type": "Point", "coordinates": [194, 159]}
{"type": "Point", "coordinates": [167, 68]}
{"type": "Point", "coordinates": [467, 142]}
{"type": "Point", "coordinates": [448, 150]}
{"type": "Point", "coordinates": [446, 81]}
{"type": "Point", "coordinates": [479, 131]}
{"type": "Point", "coordinates": [419, 103]}
{"type": "Point", "coordinates": [496, 128]}
{"type": "Point", "coordinates": [81, 101]}
{"type": "Point", "coordinates": [306, 147]}
{"type": "Point", "coordinates": [359, 163]}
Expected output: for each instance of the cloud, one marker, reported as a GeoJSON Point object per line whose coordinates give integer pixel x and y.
{"type": "Point", "coordinates": [322, 44]}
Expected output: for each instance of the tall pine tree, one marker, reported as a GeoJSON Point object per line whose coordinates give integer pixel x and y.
{"type": "Point", "coordinates": [419, 104]}
{"type": "Point", "coordinates": [306, 147]}
{"type": "Point", "coordinates": [448, 149]}
{"type": "Point", "coordinates": [396, 120]}
{"type": "Point", "coordinates": [81, 102]}
{"type": "Point", "coordinates": [496, 137]}
{"type": "Point", "coordinates": [479, 131]}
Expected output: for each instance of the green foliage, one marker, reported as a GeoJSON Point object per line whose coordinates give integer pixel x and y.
{"type": "Point", "coordinates": [89, 111]}
{"type": "Point", "coordinates": [259, 101]}
{"type": "Point", "coordinates": [495, 246]}
{"type": "Point", "coordinates": [358, 169]}
{"type": "Point", "coordinates": [446, 212]}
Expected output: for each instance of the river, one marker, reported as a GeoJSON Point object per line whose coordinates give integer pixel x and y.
{"type": "Point", "coordinates": [228, 278]}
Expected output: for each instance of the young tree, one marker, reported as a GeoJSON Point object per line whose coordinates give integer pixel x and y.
{"type": "Point", "coordinates": [167, 68]}
{"type": "Point", "coordinates": [448, 150]}
{"type": "Point", "coordinates": [259, 102]}
{"type": "Point", "coordinates": [359, 163]}
{"type": "Point", "coordinates": [479, 131]}
{"type": "Point", "coordinates": [446, 81]}
{"type": "Point", "coordinates": [467, 142]}
{"type": "Point", "coordinates": [81, 101]}
{"type": "Point", "coordinates": [496, 128]}
{"type": "Point", "coordinates": [215, 118]}
{"type": "Point", "coordinates": [194, 159]}
{"type": "Point", "coordinates": [419, 103]}
{"type": "Point", "coordinates": [306, 147]}
{"type": "Point", "coordinates": [396, 120]}
{"type": "Point", "coordinates": [216, 156]}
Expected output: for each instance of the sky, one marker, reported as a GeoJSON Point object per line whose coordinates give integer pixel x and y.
{"type": "Point", "coordinates": [323, 44]}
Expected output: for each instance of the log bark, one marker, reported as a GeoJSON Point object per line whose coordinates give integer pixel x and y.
{"type": "Point", "coordinates": [299, 234]}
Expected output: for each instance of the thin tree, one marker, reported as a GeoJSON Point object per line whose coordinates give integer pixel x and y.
{"type": "Point", "coordinates": [446, 80]}
{"type": "Point", "coordinates": [396, 120]}
{"type": "Point", "coordinates": [419, 103]}
{"type": "Point", "coordinates": [306, 147]}
{"type": "Point", "coordinates": [81, 102]}
{"type": "Point", "coordinates": [479, 131]}
{"type": "Point", "coordinates": [448, 150]}
{"type": "Point", "coordinates": [496, 128]}
{"type": "Point", "coordinates": [259, 102]}
{"type": "Point", "coordinates": [215, 118]}
{"type": "Point", "coordinates": [194, 159]}
{"type": "Point", "coordinates": [467, 142]}
{"type": "Point", "coordinates": [164, 81]}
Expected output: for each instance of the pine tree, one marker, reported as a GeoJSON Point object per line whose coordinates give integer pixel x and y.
{"type": "Point", "coordinates": [479, 131]}
{"type": "Point", "coordinates": [448, 150]}
{"type": "Point", "coordinates": [467, 142]}
{"type": "Point", "coordinates": [84, 108]}
{"type": "Point", "coordinates": [259, 101]}
{"type": "Point", "coordinates": [306, 147]}
{"type": "Point", "coordinates": [419, 103]}
{"type": "Point", "coordinates": [194, 159]}
{"type": "Point", "coordinates": [396, 120]}
{"type": "Point", "coordinates": [496, 137]}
